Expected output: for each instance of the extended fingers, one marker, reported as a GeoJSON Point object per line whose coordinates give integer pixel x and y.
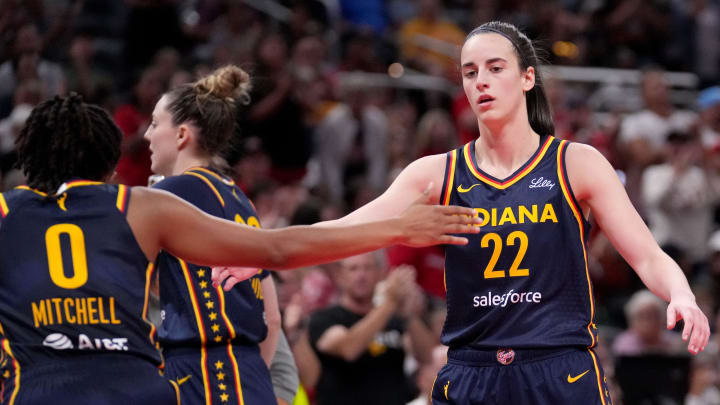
{"type": "Point", "coordinates": [698, 329]}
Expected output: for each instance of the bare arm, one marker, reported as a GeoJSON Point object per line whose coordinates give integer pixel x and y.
{"type": "Point", "coordinates": [351, 343]}
{"type": "Point", "coordinates": [407, 187]}
{"type": "Point", "coordinates": [160, 220]}
{"type": "Point", "coordinates": [272, 319]}
{"type": "Point", "coordinates": [598, 188]}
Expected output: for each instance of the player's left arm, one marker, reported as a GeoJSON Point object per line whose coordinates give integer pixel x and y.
{"type": "Point", "coordinates": [597, 187]}
{"type": "Point", "coordinates": [272, 319]}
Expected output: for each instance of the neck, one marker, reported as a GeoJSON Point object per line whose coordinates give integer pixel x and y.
{"type": "Point", "coordinates": [185, 162]}
{"type": "Point", "coordinates": [503, 147]}
{"type": "Point", "coordinates": [355, 305]}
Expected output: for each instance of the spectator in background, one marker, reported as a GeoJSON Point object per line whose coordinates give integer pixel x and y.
{"type": "Point", "coordinates": [275, 115]}
{"type": "Point", "coordinates": [703, 381]}
{"type": "Point", "coordinates": [644, 133]}
{"type": "Point", "coordinates": [429, 43]}
{"type": "Point", "coordinates": [360, 341]}
{"type": "Point", "coordinates": [709, 124]}
{"type": "Point", "coordinates": [646, 333]}
{"type": "Point", "coordinates": [427, 373]}
{"type": "Point", "coordinates": [679, 199]}
{"type": "Point", "coordinates": [26, 63]}
{"type": "Point", "coordinates": [133, 119]}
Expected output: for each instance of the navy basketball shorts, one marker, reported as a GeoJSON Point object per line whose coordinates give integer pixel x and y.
{"type": "Point", "coordinates": [506, 376]}
{"type": "Point", "coordinates": [100, 379]}
{"type": "Point", "coordinates": [228, 374]}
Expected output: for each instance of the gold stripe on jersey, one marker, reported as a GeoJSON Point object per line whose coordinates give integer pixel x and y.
{"type": "Point", "coordinates": [221, 297]}
{"type": "Point", "coordinates": [209, 183]}
{"type": "Point", "coordinates": [177, 390]}
{"type": "Point", "coordinates": [212, 173]}
{"type": "Point", "coordinates": [148, 282]}
{"type": "Point", "coordinates": [576, 212]}
{"type": "Point", "coordinates": [16, 367]}
{"type": "Point", "coordinates": [201, 329]}
{"type": "Point", "coordinates": [451, 177]}
{"type": "Point", "coordinates": [3, 206]}
{"type": "Point", "coordinates": [597, 375]}
{"type": "Point", "coordinates": [193, 301]}
{"type": "Point", "coordinates": [236, 372]}
{"type": "Point", "coordinates": [505, 184]}
{"type": "Point", "coordinates": [77, 183]}
{"type": "Point", "coordinates": [206, 380]}
{"type": "Point", "coordinates": [31, 189]}
{"type": "Point", "coordinates": [121, 202]}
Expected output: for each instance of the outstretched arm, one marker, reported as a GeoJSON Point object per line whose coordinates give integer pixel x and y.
{"type": "Point", "coordinates": [161, 220]}
{"type": "Point", "coordinates": [598, 188]}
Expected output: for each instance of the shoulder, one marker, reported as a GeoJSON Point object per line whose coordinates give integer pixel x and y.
{"type": "Point", "coordinates": [178, 183]}
{"type": "Point", "coordinates": [586, 168]}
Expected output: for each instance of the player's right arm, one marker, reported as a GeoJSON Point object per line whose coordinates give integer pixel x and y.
{"type": "Point", "coordinates": [407, 187]}
{"type": "Point", "coordinates": [160, 220]}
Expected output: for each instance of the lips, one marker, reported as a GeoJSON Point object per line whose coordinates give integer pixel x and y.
{"type": "Point", "coordinates": [485, 98]}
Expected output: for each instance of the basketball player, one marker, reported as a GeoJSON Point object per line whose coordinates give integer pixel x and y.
{"type": "Point", "coordinates": [520, 322]}
{"type": "Point", "coordinates": [75, 258]}
{"type": "Point", "coordinates": [211, 338]}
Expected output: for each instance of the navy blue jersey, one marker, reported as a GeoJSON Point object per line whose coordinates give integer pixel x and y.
{"type": "Point", "coordinates": [73, 279]}
{"type": "Point", "coordinates": [523, 281]}
{"type": "Point", "coordinates": [195, 313]}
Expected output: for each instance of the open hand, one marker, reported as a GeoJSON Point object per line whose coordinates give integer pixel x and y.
{"type": "Point", "coordinates": [424, 224]}
{"type": "Point", "coordinates": [229, 276]}
{"type": "Point", "coordinates": [697, 328]}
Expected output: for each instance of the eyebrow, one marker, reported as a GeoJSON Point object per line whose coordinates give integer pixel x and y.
{"type": "Point", "coordinates": [487, 62]}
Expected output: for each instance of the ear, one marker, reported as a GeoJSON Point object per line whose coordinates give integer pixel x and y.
{"type": "Point", "coordinates": [528, 79]}
{"type": "Point", "coordinates": [182, 138]}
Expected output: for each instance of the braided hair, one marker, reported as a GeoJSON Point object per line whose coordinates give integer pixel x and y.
{"type": "Point", "coordinates": [66, 138]}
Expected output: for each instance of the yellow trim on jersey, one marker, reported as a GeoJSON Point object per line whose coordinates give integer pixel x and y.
{"type": "Point", "coordinates": [16, 365]}
{"type": "Point", "coordinates": [148, 282]}
{"type": "Point", "coordinates": [221, 296]}
{"type": "Point", "coordinates": [177, 391]}
{"type": "Point", "coordinates": [597, 374]}
{"type": "Point", "coordinates": [451, 177]}
{"type": "Point", "coordinates": [432, 388]}
{"type": "Point", "coordinates": [212, 173]}
{"type": "Point", "coordinates": [193, 301]}
{"type": "Point", "coordinates": [206, 380]}
{"type": "Point", "coordinates": [514, 179]}
{"type": "Point", "coordinates": [121, 204]}
{"type": "Point", "coordinates": [31, 189]}
{"type": "Point", "coordinates": [201, 328]}
{"type": "Point", "coordinates": [3, 206]}
{"type": "Point", "coordinates": [565, 189]}
{"type": "Point", "coordinates": [77, 183]}
{"type": "Point", "coordinates": [209, 183]}
{"type": "Point", "coordinates": [236, 371]}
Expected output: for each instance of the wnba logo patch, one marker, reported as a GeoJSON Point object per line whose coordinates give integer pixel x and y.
{"type": "Point", "coordinates": [505, 356]}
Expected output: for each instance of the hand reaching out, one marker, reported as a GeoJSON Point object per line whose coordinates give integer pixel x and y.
{"type": "Point", "coordinates": [229, 276]}
{"type": "Point", "coordinates": [697, 328]}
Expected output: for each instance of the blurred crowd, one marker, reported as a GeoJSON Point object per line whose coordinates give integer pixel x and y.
{"type": "Point", "coordinates": [332, 122]}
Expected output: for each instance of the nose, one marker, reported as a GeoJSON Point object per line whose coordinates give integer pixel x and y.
{"type": "Point", "coordinates": [481, 83]}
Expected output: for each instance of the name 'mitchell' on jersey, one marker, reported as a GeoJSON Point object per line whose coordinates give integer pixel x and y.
{"type": "Point", "coordinates": [523, 281]}
{"type": "Point", "coordinates": [73, 279]}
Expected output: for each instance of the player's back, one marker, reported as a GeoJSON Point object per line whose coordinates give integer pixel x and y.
{"type": "Point", "coordinates": [73, 292]}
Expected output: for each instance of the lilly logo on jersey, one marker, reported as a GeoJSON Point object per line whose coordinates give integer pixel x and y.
{"type": "Point", "coordinates": [510, 297]}
{"type": "Point", "coordinates": [540, 182]}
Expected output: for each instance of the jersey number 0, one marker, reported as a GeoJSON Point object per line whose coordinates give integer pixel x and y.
{"type": "Point", "coordinates": [77, 251]}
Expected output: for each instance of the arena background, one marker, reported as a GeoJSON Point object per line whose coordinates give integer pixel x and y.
{"type": "Point", "coordinates": [347, 92]}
